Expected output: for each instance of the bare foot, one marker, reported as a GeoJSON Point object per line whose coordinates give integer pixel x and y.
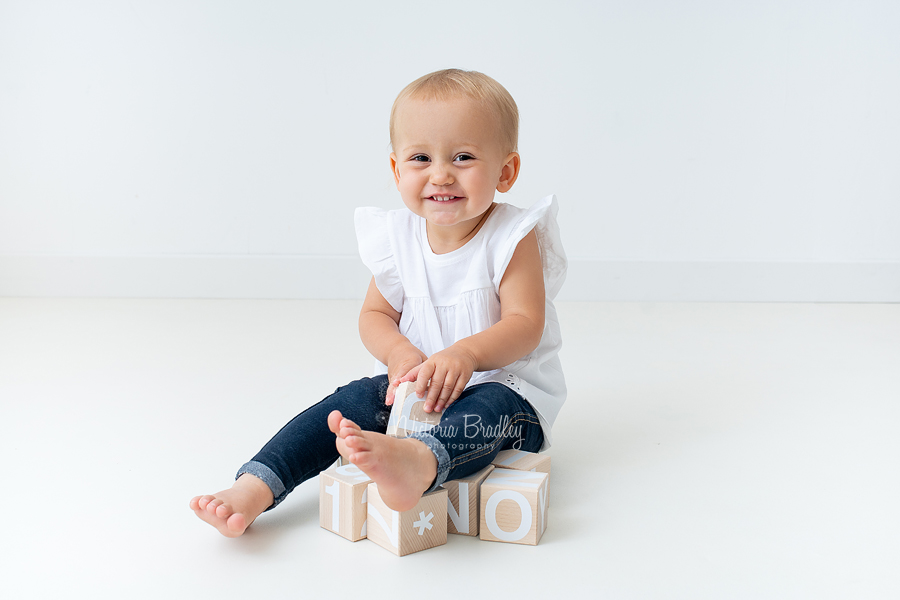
{"type": "Point", "coordinates": [403, 468]}
{"type": "Point", "coordinates": [231, 511]}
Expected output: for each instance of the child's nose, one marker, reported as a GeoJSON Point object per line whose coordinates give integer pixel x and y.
{"type": "Point", "coordinates": [441, 174]}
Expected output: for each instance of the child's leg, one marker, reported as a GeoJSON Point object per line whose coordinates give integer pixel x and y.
{"type": "Point", "coordinates": [300, 450]}
{"type": "Point", "coordinates": [306, 445]}
{"type": "Point", "coordinates": [486, 419]}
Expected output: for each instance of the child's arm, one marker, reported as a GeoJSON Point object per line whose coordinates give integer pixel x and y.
{"type": "Point", "coordinates": [445, 374]}
{"type": "Point", "coordinates": [380, 334]}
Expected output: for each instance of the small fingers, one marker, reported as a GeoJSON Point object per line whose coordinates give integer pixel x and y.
{"type": "Point", "coordinates": [437, 388]}
{"type": "Point", "coordinates": [410, 375]}
{"type": "Point", "coordinates": [455, 392]}
{"type": "Point", "coordinates": [424, 374]}
{"type": "Point", "coordinates": [446, 391]}
{"type": "Point", "coordinates": [401, 375]}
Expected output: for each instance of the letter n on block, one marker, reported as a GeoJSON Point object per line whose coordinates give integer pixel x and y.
{"type": "Point", "coordinates": [420, 528]}
{"type": "Point", "coordinates": [514, 506]}
{"type": "Point", "coordinates": [342, 501]}
{"type": "Point", "coordinates": [463, 502]}
{"type": "Point", "coordinates": [408, 412]}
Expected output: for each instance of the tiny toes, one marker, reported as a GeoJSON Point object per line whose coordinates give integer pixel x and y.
{"type": "Point", "coordinates": [334, 420]}
{"type": "Point", "coordinates": [236, 523]}
{"type": "Point", "coordinates": [355, 442]}
{"type": "Point", "coordinates": [348, 432]}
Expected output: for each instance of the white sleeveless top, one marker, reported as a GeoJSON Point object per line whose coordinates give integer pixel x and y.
{"type": "Point", "coordinates": [443, 298]}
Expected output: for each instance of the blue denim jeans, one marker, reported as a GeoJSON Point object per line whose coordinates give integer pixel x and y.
{"type": "Point", "coordinates": [484, 420]}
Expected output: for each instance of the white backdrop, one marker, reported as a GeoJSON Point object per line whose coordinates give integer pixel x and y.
{"type": "Point", "coordinates": [700, 150]}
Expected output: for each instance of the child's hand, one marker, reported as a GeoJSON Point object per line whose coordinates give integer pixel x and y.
{"type": "Point", "coordinates": [443, 376]}
{"type": "Point", "coordinates": [401, 361]}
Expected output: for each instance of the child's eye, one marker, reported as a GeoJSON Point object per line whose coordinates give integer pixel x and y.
{"type": "Point", "coordinates": [463, 157]}
{"type": "Point", "coordinates": [419, 158]}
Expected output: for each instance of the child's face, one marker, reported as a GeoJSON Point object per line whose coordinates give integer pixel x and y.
{"type": "Point", "coordinates": [448, 161]}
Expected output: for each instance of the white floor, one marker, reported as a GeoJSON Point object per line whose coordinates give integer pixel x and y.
{"type": "Point", "coordinates": [705, 451]}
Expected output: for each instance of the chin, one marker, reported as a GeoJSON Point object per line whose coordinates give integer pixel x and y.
{"type": "Point", "coordinates": [444, 221]}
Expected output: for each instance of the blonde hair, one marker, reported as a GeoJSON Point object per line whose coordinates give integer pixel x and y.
{"type": "Point", "coordinates": [453, 83]}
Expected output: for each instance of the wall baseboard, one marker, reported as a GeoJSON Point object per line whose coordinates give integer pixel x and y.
{"type": "Point", "coordinates": [344, 277]}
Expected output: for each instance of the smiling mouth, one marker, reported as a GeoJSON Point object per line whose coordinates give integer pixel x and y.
{"type": "Point", "coordinates": [444, 198]}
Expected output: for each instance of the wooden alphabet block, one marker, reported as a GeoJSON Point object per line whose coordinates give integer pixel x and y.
{"type": "Point", "coordinates": [463, 502]}
{"type": "Point", "coordinates": [522, 461]}
{"type": "Point", "coordinates": [419, 528]}
{"type": "Point", "coordinates": [514, 506]}
{"type": "Point", "coordinates": [343, 498]}
{"type": "Point", "coordinates": [408, 412]}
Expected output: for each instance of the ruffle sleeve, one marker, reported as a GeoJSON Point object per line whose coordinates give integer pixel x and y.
{"type": "Point", "coordinates": [377, 253]}
{"type": "Point", "coordinates": [542, 218]}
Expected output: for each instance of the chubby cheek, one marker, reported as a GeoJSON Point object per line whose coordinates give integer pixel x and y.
{"type": "Point", "coordinates": [410, 193]}
{"type": "Point", "coordinates": [409, 189]}
{"type": "Point", "coordinates": [478, 185]}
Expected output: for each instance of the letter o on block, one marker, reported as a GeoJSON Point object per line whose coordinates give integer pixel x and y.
{"type": "Point", "coordinates": [491, 516]}
{"type": "Point", "coordinates": [514, 506]}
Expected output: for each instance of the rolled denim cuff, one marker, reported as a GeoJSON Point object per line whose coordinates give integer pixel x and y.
{"type": "Point", "coordinates": [268, 476]}
{"type": "Point", "coordinates": [440, 453]}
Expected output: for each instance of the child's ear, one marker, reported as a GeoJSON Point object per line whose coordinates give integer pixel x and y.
{"type": "Point", "coordinates": [510, 172]}
{"type": "Point", "coordinates": [395, 169]}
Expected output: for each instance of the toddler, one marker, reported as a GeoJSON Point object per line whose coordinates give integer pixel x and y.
{"type": "Point", "coordinates": [460, 302]}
